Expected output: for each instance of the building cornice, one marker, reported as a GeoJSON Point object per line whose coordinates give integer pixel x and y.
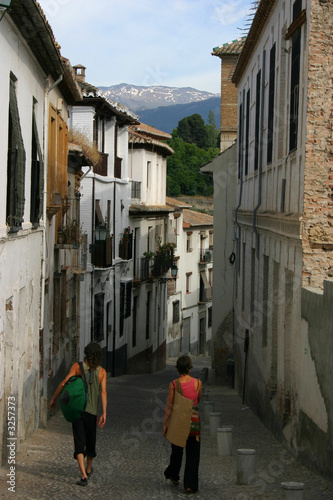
{"type": "Point", "coordinates": [259, 22]}
{"type": "Point", "coordinates": [288, 226]}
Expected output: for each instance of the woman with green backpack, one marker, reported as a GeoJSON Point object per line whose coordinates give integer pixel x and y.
{"type": "Point", "coordinates": [84, 427]}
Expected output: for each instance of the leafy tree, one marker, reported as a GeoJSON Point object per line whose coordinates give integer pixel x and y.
{"type": "Point", "coordinates": [192, 129]}
{"type": "Point", "coordinates": [184, 176]}
{"type": "Point", "coordinates": [212, 132]}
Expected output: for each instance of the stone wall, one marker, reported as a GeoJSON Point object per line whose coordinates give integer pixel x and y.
{"type": "Point", "coordinates": [318, 181]}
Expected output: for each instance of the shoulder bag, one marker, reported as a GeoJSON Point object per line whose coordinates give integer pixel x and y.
{"type": "Point", "coordinates": [180, 419]}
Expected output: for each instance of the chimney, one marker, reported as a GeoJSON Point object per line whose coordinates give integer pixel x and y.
{"type": "Point", "coordinates": [80, 72]}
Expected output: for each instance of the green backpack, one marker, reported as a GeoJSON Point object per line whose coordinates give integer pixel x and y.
{"type": "Point", "coordinates": [74, 396]}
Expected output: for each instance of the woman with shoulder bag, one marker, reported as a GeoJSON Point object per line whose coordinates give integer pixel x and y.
{"type": "Point", "coordinates": [190, 388]}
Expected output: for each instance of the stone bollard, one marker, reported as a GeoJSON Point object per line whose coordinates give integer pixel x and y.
{"type": "Point", "coordinates": [224, 441]}
{"type": "Point", "coordinates": [246, 466]}
{"type": "Point", "coordinates": [215, 421]}
{"type": "Point", "coordinates": [208, 408]}
{"type": "Point", "coordinates": [211, 376]}
{"type": "Point", "coordinates": [293, 490]}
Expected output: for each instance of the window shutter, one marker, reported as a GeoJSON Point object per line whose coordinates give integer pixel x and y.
{"type": "Point", "coordinates": [128, 303]}
{"type": "Point", "coordinates": [16, 164]}
{"type": "Point", "coordinates": [41, 167]}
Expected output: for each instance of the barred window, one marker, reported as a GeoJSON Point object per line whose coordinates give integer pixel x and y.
{"type": "Point", "coordinates": [136, 189]}
{"type": "Point", "coordinates": [175, 311]}
{"type": "Point", "coordinates": [125, 303]}
{"type": "Point", "coordinates": [99, 317]}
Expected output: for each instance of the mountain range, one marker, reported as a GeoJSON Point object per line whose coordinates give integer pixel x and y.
{"type": "Point", "coordinates": [162, 107]}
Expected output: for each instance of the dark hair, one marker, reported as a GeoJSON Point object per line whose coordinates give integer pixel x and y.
{"type": "Point", "coordinates": [93, 354]}
{"type": "Point", "coordinates": [184, 364]}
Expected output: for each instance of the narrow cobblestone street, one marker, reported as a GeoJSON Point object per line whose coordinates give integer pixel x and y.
{"type": "Point", "coordinates": [132, 453]}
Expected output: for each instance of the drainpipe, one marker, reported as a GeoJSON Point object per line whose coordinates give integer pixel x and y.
{"type": "Point", "coordinates": [240, 141]}
{"type": "Point", "coordinates": [114, 252]}
{"type": "Point", "coordinates": [93, 265]}
{"type": "Point", "coordinates": [254, 222]}
{"type": "Point", "coordinates": [55, 84]}
{"type": "Point", "coordinates": [44, 251]}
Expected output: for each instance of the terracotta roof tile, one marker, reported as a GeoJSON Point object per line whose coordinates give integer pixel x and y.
{"type": "Point", "coordinates": [173, 202]}
{"type": "Point", "coordinates": [231, 48]}
{"type": "Point", "coordinates": [192, 218]}
{"type": "Point", "coordinates": [144, 134]}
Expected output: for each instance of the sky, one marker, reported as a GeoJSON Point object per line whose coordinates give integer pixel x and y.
{"type": "Point", "coordinates": [147, 42]}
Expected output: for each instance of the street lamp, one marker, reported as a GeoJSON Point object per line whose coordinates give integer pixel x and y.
{"type": "Point", "coordinates": [100, 232]}
{"type": "Point", "coordinates": [174, 271]}
{"type": "Point", "coordinates": [4, 5]}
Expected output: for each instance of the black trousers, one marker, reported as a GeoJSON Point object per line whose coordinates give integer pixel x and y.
{"type": "Point", "coordinates": [84, 433]}
{"type": "Point", "coordinates": [191, 473]}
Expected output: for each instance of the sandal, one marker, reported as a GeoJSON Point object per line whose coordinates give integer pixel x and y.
{"type": "Point", "coordinates": [176, 483]}
{"type": "Point", "coordinates": [82, 482]}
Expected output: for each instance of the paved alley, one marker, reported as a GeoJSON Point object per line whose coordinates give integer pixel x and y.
{"type": "Point", "coordinates": [132, 453]}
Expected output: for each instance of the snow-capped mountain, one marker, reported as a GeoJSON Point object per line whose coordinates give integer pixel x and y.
{"type": "Point", "coordinates": [137, 98]}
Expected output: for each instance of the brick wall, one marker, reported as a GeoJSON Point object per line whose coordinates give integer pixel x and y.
{"type": "Point", "coordinates": [228, 94]}
{"type": "Point", "coordinates": [318, 179]}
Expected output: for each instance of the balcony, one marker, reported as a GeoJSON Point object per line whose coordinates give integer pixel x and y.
{"type": "Point", "coordinates": [101, 253]}
{"type": "Point", "coordinates": [102, 166]}
{"type": "Point", "coordinates": [126, 246]}
{"type": "Point", "coordinates": [205, 294]}
{"type": "Point", "coordinates": [206, 256]}
{"type": "Point", "coordinates": [54, 205]}
{"type": "Point", "coordinates": [153, 266]}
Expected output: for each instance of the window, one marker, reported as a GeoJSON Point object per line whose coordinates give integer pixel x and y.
{"type": "Point", "coordinates": [175, 311]}
{"type": "Point", "coordinates": [210, 316]}
{"type": "Point", "coordinates": [148, 306]}
{"type": "Point", "coordinates": [247, 132]}
{"type": "Point", "coordinates": [189, 242]}
{"type": "Point", "coordinates": [243, 278]}
{"type": "Point", "coordinates": [37, 170]}
{"type": "Point", "coordinates": [148, 173]}
{"type": "Point", "coordinates": [125, 303]}
{"type": "Point", "coordinates": [271, 104]}
{"type": "Point", "coordinates": [205, 292]}
{"type": "Point", "coordinates": [240, 139]}
{"type": "Point", "coordinates": [57, 311]}
{"type": "Point", "coordinates": [257, 123]}
{"type": "Point", "coordinates": [188, 282]}
{"type": "Point", "coordinates": [210, 240]}
{"type": "Point", "coordinates": [99, 317]}
{"type": "Point", "coordinates": [265, 301]}
{"type": "Point", "coordinates": [252, 297]}
{"type": "Point", "coordinates": [15, 164]}
{"type": "Point", "coordinates": [294, 85]}
{"type": "Point", "coordinates": [135, 311]}
{"type": "Point", "coordinates": [136, 189]}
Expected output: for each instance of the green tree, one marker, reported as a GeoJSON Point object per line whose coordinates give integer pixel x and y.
{"type": "Point", "coordinates": [211, 130]}
{"type": "Point", "coordinates": [184, 176]}
{"type": "Point", "coordinates": [192, 129]}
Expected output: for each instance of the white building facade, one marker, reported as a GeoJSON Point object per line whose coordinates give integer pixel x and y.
{"type": "Point", "coordinates": [153, 247]}
{"type": "Point", "coordinates": [190, 299]}
{"type": "Point", "coordinates": [105, 197]}
{"type": "Point", "coordinates": [282, 223]}
{"type": "Point", "coordinates": [32, 79]}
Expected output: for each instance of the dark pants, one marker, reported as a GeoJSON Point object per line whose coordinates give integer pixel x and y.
{"type": "Point", "coordinates": [191, 479]}
{"type": "Point", "coordinates": [84, 433]}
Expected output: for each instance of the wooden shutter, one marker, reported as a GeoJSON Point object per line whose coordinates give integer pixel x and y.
{"type": "Point", "coordinates": [15, 164]}
{"type": "Point", "coordinates": [37, 174]}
